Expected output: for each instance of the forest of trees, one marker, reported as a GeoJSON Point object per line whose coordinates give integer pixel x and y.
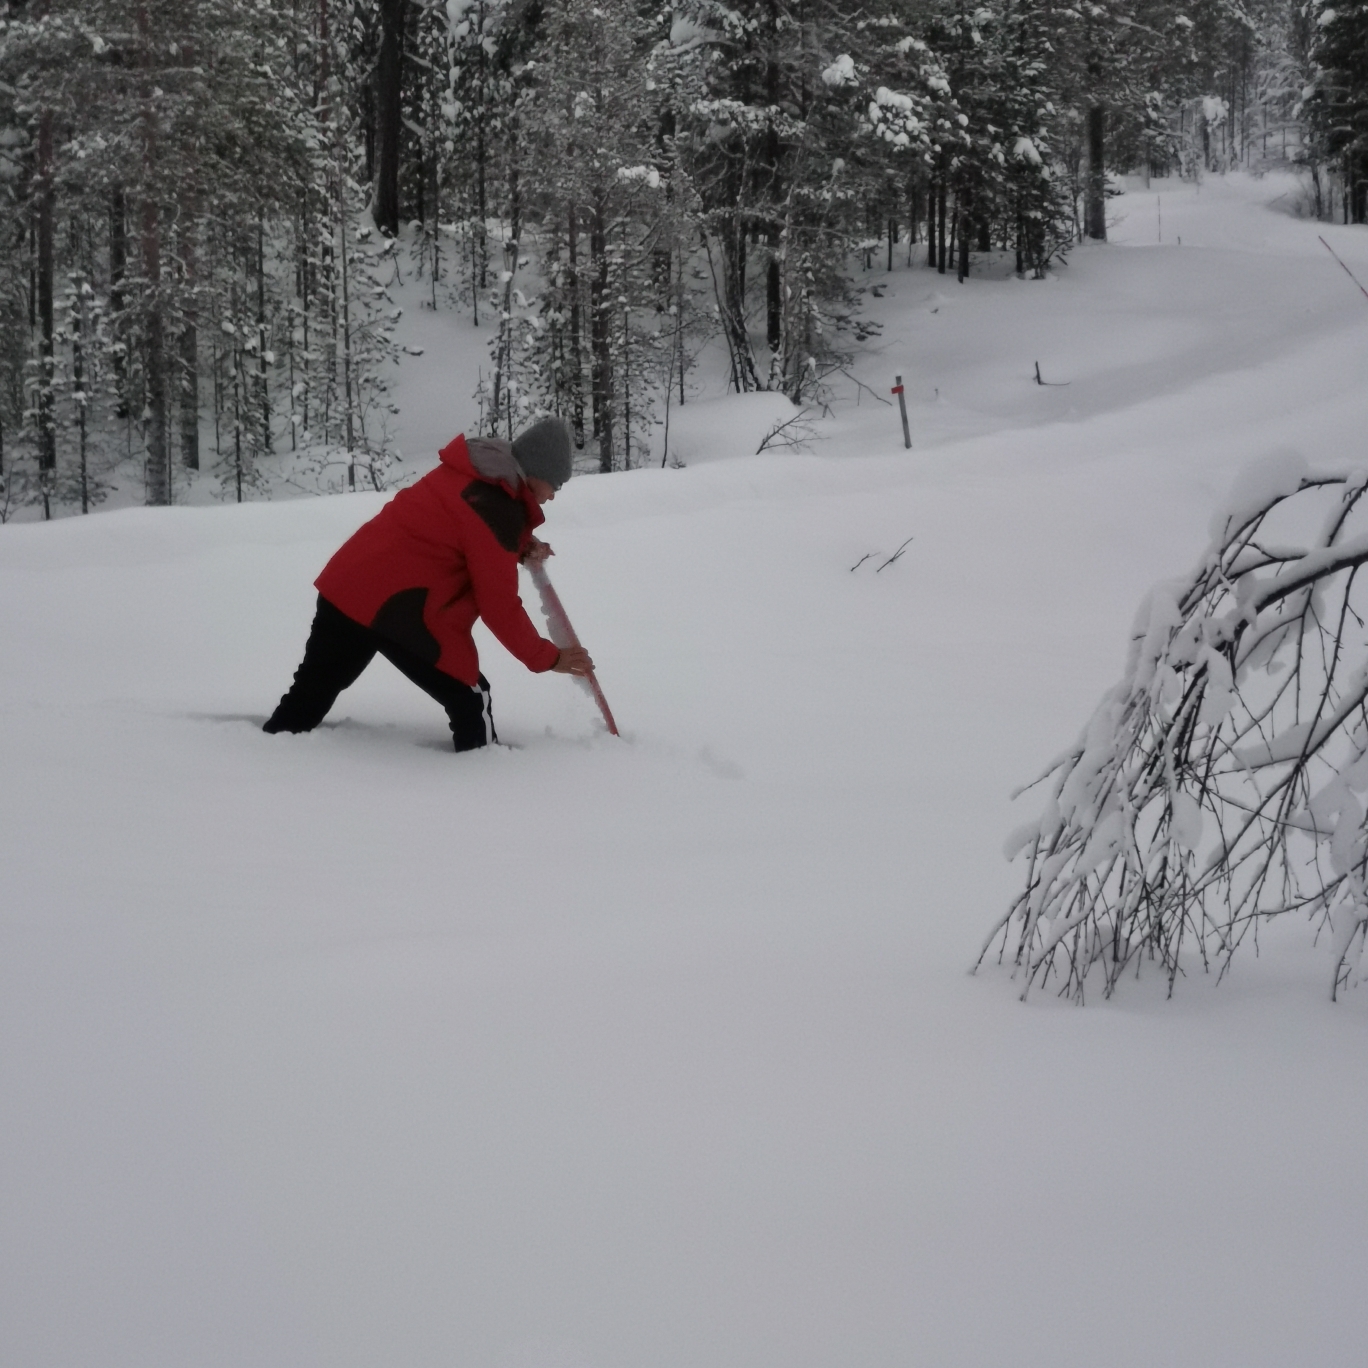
{"type": "Point", "coordinates": [205, 204]}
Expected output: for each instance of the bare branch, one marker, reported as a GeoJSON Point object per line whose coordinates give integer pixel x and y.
{"type": "Point", "coordinates": [1222, 781]}
{"type": "Point", "coordinates": [788, 432]}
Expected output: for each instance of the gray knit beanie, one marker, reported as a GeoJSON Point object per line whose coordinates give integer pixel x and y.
{"type": "Point", "coordinates": [543, 451]}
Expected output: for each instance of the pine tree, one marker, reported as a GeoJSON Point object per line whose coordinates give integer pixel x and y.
{"type": "Point", "coordinates": [1337, 106]}
{"type": "Point", "coordinates": [474, 113]}
{"type": "Point", "coordinates": [572, 338]}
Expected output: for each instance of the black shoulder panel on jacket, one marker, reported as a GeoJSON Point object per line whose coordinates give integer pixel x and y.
{"type": "Point", "coordinates": [400, 620]}
{"type": "Point", "coordinates": [502, 513]}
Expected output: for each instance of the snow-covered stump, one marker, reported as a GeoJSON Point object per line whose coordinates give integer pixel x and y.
{"type": "Point", "coordinates": [1222, 780]}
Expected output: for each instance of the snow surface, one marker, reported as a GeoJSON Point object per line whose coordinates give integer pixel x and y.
{"type": "Point", "coordinates": [341, 1050]}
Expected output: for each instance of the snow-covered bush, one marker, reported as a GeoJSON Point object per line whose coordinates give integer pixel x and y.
{"type": "Point", "coordinates": [1222, 781]}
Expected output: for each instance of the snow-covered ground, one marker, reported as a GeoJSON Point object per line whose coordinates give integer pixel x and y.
{"type": "Point", "coordinates": [340, 1050]}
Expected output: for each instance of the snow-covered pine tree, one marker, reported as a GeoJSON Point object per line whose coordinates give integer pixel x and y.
{"type": "Point", "coordinates": [80, 345]}
{"type": "Point", "coordinates": [577, 336]}
{"type": "Point", "coordinates": [1337, 104]}
{"type": "Point", "coordinates": [199, 164]}
{"type": "Point", "coordinates": [13, 293]}
{"type": "Point", "coordinates": [474, 112]}
{"type": "Point", "coordinates": [353, 347]}
{"type": "Point", "coordinates": [41, 54]}
{"type": "Point", "coordinates": [743, 83]}
{"type": "Point", "coordinates": [965, 90]}
{"type": "Point", "coordinates": [1034, 199]}
{"type": "Point", "coordinates": [424, 171]}
{"type": "Point", "coordinates": [1005, 167]}
{"type": "Point", "coordinates": [165, 116]}
{"type": "Point", "coordinates": [767, 121]}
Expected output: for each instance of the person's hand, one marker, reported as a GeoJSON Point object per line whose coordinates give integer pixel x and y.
{"type": "Point", "coordinates": [537, 551]}
{"type": "Point", "coordinates": [574, 660]}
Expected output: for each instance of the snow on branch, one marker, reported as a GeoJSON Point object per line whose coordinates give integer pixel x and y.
{"type": "Point", "coordinates": [1222, 781]}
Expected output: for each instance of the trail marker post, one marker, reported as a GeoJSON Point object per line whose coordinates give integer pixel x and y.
{"type": "Point", "coordinates": [902, 408]}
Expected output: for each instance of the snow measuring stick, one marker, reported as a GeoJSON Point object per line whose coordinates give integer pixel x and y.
{"type": "Point", "coordinates": [563, 634]}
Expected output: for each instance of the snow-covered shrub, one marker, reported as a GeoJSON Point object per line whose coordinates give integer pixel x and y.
{"type": "Point", "coordinates": [1222, 781]}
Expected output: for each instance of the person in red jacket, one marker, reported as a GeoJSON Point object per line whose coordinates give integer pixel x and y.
{"type": "Point", "coordinates": [409, 584]}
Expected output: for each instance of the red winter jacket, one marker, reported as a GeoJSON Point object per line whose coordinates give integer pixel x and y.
{"type": "Point", "coordinates": [442, 553]}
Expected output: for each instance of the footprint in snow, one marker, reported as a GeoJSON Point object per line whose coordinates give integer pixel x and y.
{"type": "Point", "coordinates": [724, 769]}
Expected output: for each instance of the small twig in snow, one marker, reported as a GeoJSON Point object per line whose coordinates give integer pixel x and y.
{"type": "Point", "coordinates": [895, 555]}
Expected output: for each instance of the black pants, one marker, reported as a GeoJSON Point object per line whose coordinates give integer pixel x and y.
{"type": "Point", "coordinates": [338, 650]}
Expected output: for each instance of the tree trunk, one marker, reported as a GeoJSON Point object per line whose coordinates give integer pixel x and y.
{"type": "Point", "coordinates": [931, 223]}
{"type": "Point", "coordinates": [601, 339]}
{"type": "Point", "coordinates": [963, 214]}
{"type": "Point", "coordinates": [1095, 203]}
{"type": "Point", "coordinates": [626, 389]}
{"type": "Point", "coordinates": [323, 70]}
{"type": "Point", "coordinates": [940, 226]}
{"type": "Point", "coordinates": [576, 349]}
{"type": "Point", "coordinates": [47, 422]}
{"type": "Point", "coordinates": [264, 388]}
{"type": "Point", "coordinates": [158, 464]}
{"type": "Point", "coordinates": [389, 75]}
{"type": "Point", "coordinates": [118, 269]}
{"type": "Point", "coordinates": [78, 388]}
{"type": "Point", "coordinates": [774, 304]}
{"type": "Point", "coordinates": [154, 341]}
{"type": "Point", "coordinates": [189, 343]}
{"type": "Point", "coordinates": [345, 318]}
{"type": "Point", "coordinates": [501, 399]}
{"type": "Point", "coordinates": [514, 183]}
{"type": "Point", "coordinates": [739, 267]}
{"type": "Point", "coordinates": [237, 406]}
{"type": "Point", "coordinates": [481, 243]}
{"type": "Point", "coordinates": [733, 304]}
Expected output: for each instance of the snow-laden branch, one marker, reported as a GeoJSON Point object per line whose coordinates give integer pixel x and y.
{"type": "Point", "coordinates": [1221, 781]}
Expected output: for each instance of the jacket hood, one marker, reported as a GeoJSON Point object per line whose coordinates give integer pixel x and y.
{"type": "Point", "coordinates": [492, 460]}
{"type": "Point", "coordinates": [485, 458]}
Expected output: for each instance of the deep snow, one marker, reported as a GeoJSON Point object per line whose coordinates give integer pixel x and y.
{"type": "Point", "coordinates": [342, 1050]}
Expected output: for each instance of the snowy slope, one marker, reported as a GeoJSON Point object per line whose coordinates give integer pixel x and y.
{"type": "Point", "coordinates": [340, 1050]}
